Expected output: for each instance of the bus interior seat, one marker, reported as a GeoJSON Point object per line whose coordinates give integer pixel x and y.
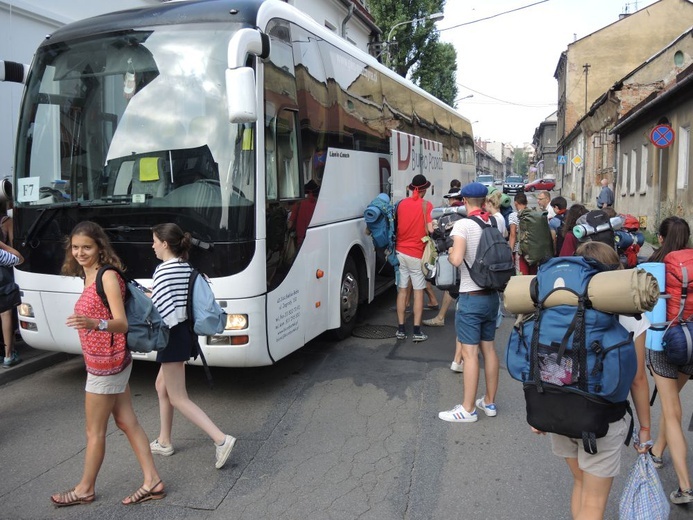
{"type": "Point", "coordinates": [149, 177]}
{"type": "Point", "coordinates": [124, 178]}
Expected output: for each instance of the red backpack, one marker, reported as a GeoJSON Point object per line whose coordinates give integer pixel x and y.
{"type": "Point", "coordinates": [679, 282]}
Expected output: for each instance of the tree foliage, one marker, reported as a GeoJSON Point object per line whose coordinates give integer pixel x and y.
{"type": "Point", "coordinates": [520, 162]}
{"type": "Point", "coordinates": [416, 50]}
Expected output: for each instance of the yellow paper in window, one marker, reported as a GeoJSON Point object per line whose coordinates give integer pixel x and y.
{"type": "Point", "coordinates": [149, 169]}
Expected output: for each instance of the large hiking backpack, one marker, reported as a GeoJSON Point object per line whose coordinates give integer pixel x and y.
{"type": "Point", "coordinates": [493, 265]}
{"type": "Point", "coordinates": [380, 221]}
{"type": "Point", "coordinates": [146, 329]}
{"type": "Point", "coordinates": [534, 236]}
{"type": "Point", "coordinates": [576, 363]}
{"type": "Point", "coordinates": [677, 340]}
{"type": "Point", "coordinates": [560, 233]}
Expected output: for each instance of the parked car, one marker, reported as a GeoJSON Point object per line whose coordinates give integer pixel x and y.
{"type": "Point", "coordinates": [541, 185]}
{"type": "Point", "coordinates": [513, 184]}
{"type": "Point", "coordinates": [486, 180]}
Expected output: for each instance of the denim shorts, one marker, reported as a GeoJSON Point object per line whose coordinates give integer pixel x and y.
{"type": "Point", "coordinates": [475, 317]}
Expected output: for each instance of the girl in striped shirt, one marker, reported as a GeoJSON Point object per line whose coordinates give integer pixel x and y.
{"type": "Point", "coordinates": [170, 295]}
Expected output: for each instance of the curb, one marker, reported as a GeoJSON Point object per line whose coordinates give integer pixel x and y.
{"type": "Point", "coordinates": [32, 365]}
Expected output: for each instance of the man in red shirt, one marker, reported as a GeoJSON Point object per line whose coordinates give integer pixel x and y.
{"type": "Point", "coordinates": [413, 224]}
{"type": "Point", "coordinates": [302, 212]}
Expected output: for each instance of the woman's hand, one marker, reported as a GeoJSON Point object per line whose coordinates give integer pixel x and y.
{"type": "Point", "coordinates": [77, 321]}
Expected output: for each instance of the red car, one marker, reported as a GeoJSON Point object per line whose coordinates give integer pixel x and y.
{"type": "Point", "coordinates": [541, 185]}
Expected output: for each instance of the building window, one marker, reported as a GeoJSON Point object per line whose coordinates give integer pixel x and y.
{"type": "Point", "coordinates": [684, 139]}
{"type": "Point", "coordinates": [644, 156]}
{"type": "Point", "coordinates": [624, 175]}
{"type": "Point", "coordinates": [632, 171]}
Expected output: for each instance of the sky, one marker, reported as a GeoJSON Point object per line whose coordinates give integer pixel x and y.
{"type": "Point", "coordinates": [507, 62]}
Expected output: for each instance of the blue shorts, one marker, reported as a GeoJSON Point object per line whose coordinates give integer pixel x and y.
{"type": "Point", "coordinates": [475, 317]}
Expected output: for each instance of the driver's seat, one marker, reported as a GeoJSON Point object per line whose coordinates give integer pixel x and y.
{"type": "Point", "coordinates": [149, 177]}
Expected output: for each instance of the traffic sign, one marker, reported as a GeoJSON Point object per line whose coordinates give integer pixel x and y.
{"type": "Point", "coordinates": [562, 159]}
{"type": "Point", "coordinates": [577, 160]}
{"type": "Point", "coordinates": [662, 136]}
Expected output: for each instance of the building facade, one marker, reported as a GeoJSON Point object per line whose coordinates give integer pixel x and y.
{"type": "Point", "coordinates": [589, 68]}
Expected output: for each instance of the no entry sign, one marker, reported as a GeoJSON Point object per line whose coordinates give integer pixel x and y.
{"type": "Point", "coordinates": [662, 136]}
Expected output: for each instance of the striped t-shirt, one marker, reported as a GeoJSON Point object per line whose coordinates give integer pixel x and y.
{"type": "Point", "coordinates": [170, 290]}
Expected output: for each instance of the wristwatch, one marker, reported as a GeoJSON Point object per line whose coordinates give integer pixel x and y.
{"type": "Point", "coordinates": [103, 325]}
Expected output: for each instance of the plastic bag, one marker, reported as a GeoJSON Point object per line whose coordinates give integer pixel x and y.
{"type": "Point", "coordinates": [643, 496]}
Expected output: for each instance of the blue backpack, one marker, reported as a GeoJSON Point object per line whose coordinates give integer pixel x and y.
{"type": "Point", "coordinates": [380, 221]}
{"type": "Point", "coordinates": [146, 329]}
{"type": "Point", "coordinates": [206, 314]}
{"type": "Point", "coordinates": [576, 363]}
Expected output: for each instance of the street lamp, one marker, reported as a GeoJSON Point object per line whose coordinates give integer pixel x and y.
{"type": "Point", "coordinates": [436, 17]}
{"type": "Point", "coordinates": [465, 97]}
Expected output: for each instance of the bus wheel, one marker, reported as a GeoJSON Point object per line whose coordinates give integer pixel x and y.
{"type": "Point", "coordinates": [348, 300]}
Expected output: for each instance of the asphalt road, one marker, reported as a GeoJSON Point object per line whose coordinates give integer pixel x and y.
{"type": "Point", "coordinates": [336, 431]}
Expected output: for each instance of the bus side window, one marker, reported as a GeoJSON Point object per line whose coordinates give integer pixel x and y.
{"type": "Point", "coordinates": [288, 178]}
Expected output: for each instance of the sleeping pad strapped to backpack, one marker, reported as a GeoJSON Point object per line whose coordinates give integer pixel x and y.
{"type": "Point", "coordinates": [576, 363]}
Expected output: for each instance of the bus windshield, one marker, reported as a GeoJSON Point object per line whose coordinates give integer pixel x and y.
{"type": "Point", "coordinates": [136, 121]}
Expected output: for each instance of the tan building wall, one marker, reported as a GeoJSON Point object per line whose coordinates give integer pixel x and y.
{"type": "Point", "coordinates": [614, 51]}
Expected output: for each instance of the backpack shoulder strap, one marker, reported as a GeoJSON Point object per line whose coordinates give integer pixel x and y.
{"type": "Point", "coordinates": [194, 273]}
{"type": "Point", "coordinates": [99, 282]}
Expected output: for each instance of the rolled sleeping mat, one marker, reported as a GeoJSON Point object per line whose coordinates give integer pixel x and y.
{"type": "Point", "coordinates": [605, 292]}
{"type": "Point", "coordinates": [658, 315]}
{"type": "Point", "coordinates": [371, 214]}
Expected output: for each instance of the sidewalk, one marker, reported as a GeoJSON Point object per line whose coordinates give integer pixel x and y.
{"type": "Point", "coordinates": [33, 360]}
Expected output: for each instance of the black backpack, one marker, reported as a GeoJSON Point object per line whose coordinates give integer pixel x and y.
{"type": "Point", "coordinates": [493, 265]}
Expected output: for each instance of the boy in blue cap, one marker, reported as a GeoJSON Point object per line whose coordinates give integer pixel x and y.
{"type": "Point", "coordinates": [475, 317]}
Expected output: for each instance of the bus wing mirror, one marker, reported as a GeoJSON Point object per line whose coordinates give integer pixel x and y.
{"type": "Point", "coordinates": [240, 79]}
{"type": "Point", "coordinates": [240, 95]}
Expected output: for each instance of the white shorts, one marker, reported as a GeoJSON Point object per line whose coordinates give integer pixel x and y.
{"type": "Point", "coordinates": [115, 384]}
{"type": "Point", "coordinates": [410, 269]}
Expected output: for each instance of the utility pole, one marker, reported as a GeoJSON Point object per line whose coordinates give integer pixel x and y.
{"type": "Point", "coordinates": [586, 68]}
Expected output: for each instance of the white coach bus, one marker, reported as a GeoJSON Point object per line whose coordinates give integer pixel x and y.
{"type": "Point", "coordinates": [229, 118]}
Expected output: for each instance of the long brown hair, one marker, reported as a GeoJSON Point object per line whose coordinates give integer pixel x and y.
{"type": "Point", "coordinates": [178, 242]}
{"type": "Point", "coordinates": [574, 212]}
{"type": "Point", "coordinates": [675, 233]}
{"type": "Point", "coordinates": [600, 252]}
{"type": "Point", "coordinates": [107, 254]}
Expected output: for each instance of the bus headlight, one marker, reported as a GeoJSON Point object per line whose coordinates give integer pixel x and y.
{"type": "Point", "coordinates": [26, 310]}
{"type": "Point", "coordinates": [236, 322]}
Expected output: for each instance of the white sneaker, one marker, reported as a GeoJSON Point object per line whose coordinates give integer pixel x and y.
{"type": "Point", "coordinates": [457, 367]}
{"type": "Point", "coordinates": [489, 409]}
{"type": "Point", "coordinates": [156, 447]}
{"type": "Point", "coordinates": [458, 414]}
{"type": "Point", "coordinates": [224, 451]}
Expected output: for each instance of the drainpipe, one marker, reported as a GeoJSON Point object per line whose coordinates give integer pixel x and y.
{"type": "Point", "coordinates": [350, 13]}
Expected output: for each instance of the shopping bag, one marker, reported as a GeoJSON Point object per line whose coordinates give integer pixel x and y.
{"type": "Point", "coordinates": [643, 496]}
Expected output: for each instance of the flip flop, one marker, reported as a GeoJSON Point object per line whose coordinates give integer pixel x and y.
{"type": "Point", "coordinates": [70, 498]}
{"type": "Point", "coordinates": [432, 307]}
{"type": "Point", "coordinates": [143, 495]}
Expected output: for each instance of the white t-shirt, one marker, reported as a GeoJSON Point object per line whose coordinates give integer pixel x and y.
{"type": "Point", "coordinates": [501, 224]}
{"type": "Point", "coordinates": [470, 230]}
{"type": "Point", "coordinates": [637, 327]}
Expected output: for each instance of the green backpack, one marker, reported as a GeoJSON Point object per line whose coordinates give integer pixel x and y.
{"type": "Point", "coordinates": [536, 242]}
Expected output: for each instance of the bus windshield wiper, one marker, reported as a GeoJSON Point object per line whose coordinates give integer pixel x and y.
{"type": "Point", "coordinates": [40, 222]}
{"type": "Point", "coordinates": [128, 229]}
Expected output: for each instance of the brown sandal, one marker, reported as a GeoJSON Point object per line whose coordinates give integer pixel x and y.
{"type": "Point", "coordinates": [143, 495]}
{"type": "Point", "coordinates": [70, 498]}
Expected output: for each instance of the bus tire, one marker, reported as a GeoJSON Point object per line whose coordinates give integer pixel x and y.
{"type": "Point", "coordinates": [349, 294]}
